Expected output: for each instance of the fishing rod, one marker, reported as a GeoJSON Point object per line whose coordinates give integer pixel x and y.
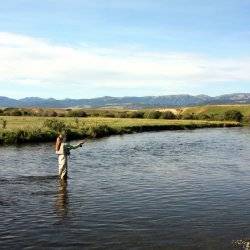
{"type": "Point", "coordinates": [83, 142]}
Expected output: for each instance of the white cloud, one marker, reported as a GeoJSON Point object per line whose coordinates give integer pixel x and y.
{"type": "Point", "coordinates": [26, 60]}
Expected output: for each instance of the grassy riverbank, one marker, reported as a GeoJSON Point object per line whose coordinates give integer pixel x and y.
{"type": "Point", "coordinates": [34, 129]}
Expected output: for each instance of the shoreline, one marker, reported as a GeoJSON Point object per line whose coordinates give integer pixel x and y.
{"type": "Point", "coordinates": [40, 135]}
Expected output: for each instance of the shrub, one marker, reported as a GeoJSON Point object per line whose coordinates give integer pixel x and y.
{"type": "Point", "coordinates": [121, 115]}
{"type": "Point", "coordinates": [99, 131]}
{"type": "Point", "coordinates": [233, 115]}
{"type": "Point", "coordinates": [108, 114]}
{"type": "Point", "coordinates": [95, 114]}
{"type": "Point", "coordinates": [20, 136]}
{"type": "Point", "coordinates": [152, 115]}
{"type": "Point", "coordinates": [136, 114]}
{"type": "Point", "coordinates": [8, 109]}
{"type": "Point", "coordinates": [16, 112]}
{"type": "Point", "coordinates": [168, 115]}
{"type": "Point", "coordinates": [76, 113]}
{"type": "Point", "coordinates": [82, 113]}
{"type": "Point", "coordinates": [27, 113]}
{"type": "Point", "coordinates": [53, 114]}
{"type": "Point", "coordinates": [55, 125]}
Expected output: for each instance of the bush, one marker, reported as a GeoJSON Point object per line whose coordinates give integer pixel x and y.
{"type": "Point", "coordinates": [152, 115]}
{"type": "Point", "coordinates": [82, 113]}
{"type": "Point", "coordinates": [168, 115]}
{"type": "Point", "coordinates": [136, 114]}
{"type": "Point", "coordinates": [95, 114]}
{"type": "Point", "coordinates": [16, 112]}
{"type": "Point", "coordinates": [108, 114]}
{"type": "Point", "coordinates": [76, 113]}
{"type": "Point", "coordinates": [99, 131]}
{"type": "Point", "coordinates": [233, 115]}
{"type": "Point", "coordinates": [27, 113]}
{"type": "Point", "coordinates": [53, 114]}
{"type": "Point", "coordinates": [21, 136]}
{"type": "Point", "coordinates": [55, 125]}
{"type": "Point", "coordinates": [121, 115]}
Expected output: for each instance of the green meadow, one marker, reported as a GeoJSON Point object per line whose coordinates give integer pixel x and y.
{"type": "Point", "coordinates": [216, 111]}
{"type": "Point", "coordinates": [24, 129]}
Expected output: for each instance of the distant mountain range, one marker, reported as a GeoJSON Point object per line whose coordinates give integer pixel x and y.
{"type": "Point", "coordinates": [128, 102]}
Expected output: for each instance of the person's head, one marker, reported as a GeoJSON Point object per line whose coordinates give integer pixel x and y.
{"type": "Point", "coordinates": [59, 141]}
{"type": "Point", "coordinates": [63, 136]}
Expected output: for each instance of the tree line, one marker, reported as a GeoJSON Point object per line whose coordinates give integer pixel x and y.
{"type": "Point", "coordinates": [231, 115]}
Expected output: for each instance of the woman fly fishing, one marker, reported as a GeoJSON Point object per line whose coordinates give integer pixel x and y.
{"type": "Point", "coordinates": [63, 151]}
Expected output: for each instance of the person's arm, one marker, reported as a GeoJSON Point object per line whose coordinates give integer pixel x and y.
{"type": "Point", "coordinates": [69, 147]}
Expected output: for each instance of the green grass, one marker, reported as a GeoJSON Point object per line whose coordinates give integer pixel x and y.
{"type": "Point", "coordinates": [18, 122]}
{"type": "Point", "coordinates": [31, 129]}
{"type": "Point", "coordinates": [217, 109]}
{"type": "Point", "coordinates": [208, 112]}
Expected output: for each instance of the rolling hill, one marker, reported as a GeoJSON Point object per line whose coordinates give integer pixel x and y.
{"type": "Point", "coordinates": [128, 102]}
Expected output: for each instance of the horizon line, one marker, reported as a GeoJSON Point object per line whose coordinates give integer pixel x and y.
{"type": "Point", "coordinates": [98, 97]}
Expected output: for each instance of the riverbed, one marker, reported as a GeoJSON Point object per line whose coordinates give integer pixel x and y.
{"type": "Point", "coordinates": [157, 190]}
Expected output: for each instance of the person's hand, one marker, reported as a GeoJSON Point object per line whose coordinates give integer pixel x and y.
{"type": "Point", "coordinates": [82, 142]}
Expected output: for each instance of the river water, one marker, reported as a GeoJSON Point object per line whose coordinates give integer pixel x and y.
{"type": "Point", "coordinates": [162, 190]}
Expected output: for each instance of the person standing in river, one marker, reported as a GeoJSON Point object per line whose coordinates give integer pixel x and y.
{"type": "Point", "coordinates": [63, 151]}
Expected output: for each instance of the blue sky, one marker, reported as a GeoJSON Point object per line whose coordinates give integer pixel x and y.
{"type": "Point", "coordinates": [81, 49]}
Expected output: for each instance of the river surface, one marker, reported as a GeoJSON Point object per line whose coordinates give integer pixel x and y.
{"type": "Point", "coordinates": [162, 190]}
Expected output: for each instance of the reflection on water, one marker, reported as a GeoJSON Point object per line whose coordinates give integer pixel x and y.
{"type": "Point", "coordinates": [165, 190]}
{"type": "Point", "coordinates": [62, 198]}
